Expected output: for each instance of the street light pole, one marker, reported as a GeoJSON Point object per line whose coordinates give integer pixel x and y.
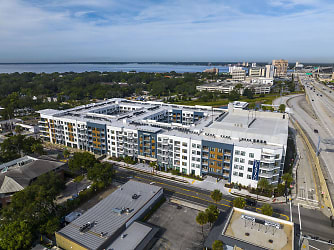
{"type": "Point", "coordinates": [318, 145]}
{"type": "Point", "coordinates": [300, 228]}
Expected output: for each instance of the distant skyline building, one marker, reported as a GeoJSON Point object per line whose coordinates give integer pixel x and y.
{"type": "Point", "coordinates": [213, 70]}
{"type": "Point", "coordinates": [237, 73]}
{"type": "Point", "coordinates": [270, 71]}
{"type": "Point", "coordinates": [281, 67]}
{"type": "Point", "coordinates": [257, 72]}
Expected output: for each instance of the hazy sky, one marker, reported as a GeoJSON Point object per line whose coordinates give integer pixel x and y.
{"type": "Point", "coordinates": [166, 30]}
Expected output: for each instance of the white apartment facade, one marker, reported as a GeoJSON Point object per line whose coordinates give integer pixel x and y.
{"type": "Point", "coordinates": [191, 140]}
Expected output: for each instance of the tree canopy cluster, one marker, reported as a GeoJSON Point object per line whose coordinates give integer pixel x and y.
{"type": "Point", "coordinates": [18, 145]}
{"type": "Point", "coordinates": [86, 163]}
{"type": "Point", "coordinates": [31, 212]}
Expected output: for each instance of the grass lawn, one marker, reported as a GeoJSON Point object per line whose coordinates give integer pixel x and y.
{"type": "Point", "coordinates": [221, 102]}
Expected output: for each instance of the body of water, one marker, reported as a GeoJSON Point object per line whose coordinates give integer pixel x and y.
{"type": "Point", "coordinates": [104, 67]}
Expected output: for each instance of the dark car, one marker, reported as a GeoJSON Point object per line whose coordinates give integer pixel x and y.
{"type": "Point", "coordinates": [251, 202]}
{"type": "Point", "coordinates": [315, 131]}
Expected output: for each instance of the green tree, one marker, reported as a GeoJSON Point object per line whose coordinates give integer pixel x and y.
{"type": "Point", "coordinates": [82, 162]}
{"type": "Point", "coordinates": [216, 195]}
{"type": "Point", "coordinates": [15, 235]}
{"type": "Point", "coordinates": [101, 172]}
{"type": "Point", "coordinates": [212, 213]}
{"type": "Point", "coordinates": [202, 219]}
{"type": "Point", "coordinates": [263, 184]}
{"type": "Point", "coordinates": [267, 209]}
{"type": "Point", "coordinates": [234, 95]}
{"type": "Point", "coordinates": [281, 108]}
{"type": "Point", "coordinates": [239, 202]}
{"type": "Point", "coordinates": [37, 148]}
{"type": "Point", "coordinates": [248, 93]}
{"type": "Point", "coordinates": [287, 178]}
{"type": "Point", "coordinates": [66, 153]}
{"type": "Point", "coordinates": [18, 129]}
{"type": "Point", "coordinates": [217, 245]}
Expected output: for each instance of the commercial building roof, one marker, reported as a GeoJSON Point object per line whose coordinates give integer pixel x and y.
{"type": "Point", "coordinates": [18, 174]}
{"type": "Point", "coordinates": [135, 237]}
{"type": "Point", "coordinates": [110, 214]}
{"type": "Point", "coordinates": [250, 230]}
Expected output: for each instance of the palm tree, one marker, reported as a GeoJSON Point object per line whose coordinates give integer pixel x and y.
{"type": "Point", "coordinates": [263, 184]}
{"type": "Point", "coordinates": [216, 195]}
{"type": "Point", "coordinates": [217, 245]}
{"type": "Point", "coordinates": [202, 219]}
{"type": "Point", "coordinates": [212, 212]}
{"type": "Point", "coordinates": [239, 202]}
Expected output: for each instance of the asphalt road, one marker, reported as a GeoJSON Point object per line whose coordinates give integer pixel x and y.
{"type": "Point", "coordinates": [314, 223]}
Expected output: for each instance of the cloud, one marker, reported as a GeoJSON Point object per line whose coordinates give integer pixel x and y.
{"type": "Point", "coordinates": [166, 30]}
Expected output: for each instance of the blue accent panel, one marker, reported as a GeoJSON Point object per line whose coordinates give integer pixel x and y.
{"type": "Point", "coordinates": [218, 145]}
{"type": "Point", "coordinates": [152, 136]}
{"type": "Point", "coordinates": [223, 146]}
{"type": "Point", "coordinates": [176, 112]}
{"type": "Point", "coordinates": [256, 168]}
{"type": "Point", "coordinates": [100, 127]}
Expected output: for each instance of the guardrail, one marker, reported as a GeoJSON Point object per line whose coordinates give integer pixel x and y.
{"type": "Point", "coordinates": [325, 195]}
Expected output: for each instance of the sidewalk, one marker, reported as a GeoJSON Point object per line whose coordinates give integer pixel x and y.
{"type": "Point", "coordinates": [209, 183]}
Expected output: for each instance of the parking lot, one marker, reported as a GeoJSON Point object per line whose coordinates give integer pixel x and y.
{"type": "Point", "coordinates": [178, 227]}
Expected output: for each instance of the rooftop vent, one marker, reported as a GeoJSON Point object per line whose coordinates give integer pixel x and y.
{"type": "Point", "coordinates": [86, 227]}
{"type": "Point", "coordinates": [135, 196]}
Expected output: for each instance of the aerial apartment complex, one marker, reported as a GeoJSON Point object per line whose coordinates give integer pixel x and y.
{"type": "Point", "coordinates": [236, 144]}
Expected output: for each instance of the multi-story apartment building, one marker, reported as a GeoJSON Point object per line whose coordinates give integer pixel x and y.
{"type": "Point", "coordinates": [281, 67]}
{"type": "Point", "coordinates": [237, 145]}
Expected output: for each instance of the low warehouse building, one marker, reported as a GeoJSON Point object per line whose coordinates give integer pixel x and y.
{"type": "Point", "coordinates": [103, 224]}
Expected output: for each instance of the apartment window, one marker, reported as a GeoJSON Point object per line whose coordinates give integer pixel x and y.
{"type": "Point", "coordinates": [249, 176]}
{"type": "Point", "coordinates": [184, 144]}
{"type": "Point", "coordinates": [193, 159]}
{"type": "Point", "coordinates": [184, 157]}
{"type": "Point", "coordinates": [237, 152]}
{"type": "Point", "coordinates": [251, 155]}
{"type": "Point", "coordinates": [193, 145]}
{"type": "Point", "coordinates": [184, 151]}
{"type": "Point", "coordinates": [198, 145]}
{"type": "Point", "coordinates": [212, 156]}
{"type": "Point", "coordinates": [212, 149]}
{"type": "Point", "coordinates": [242, 160]}
{"type": "Point", "coordinates": [236, 167]}
{"type": "Point", "coordinates": [184, 164]}
{"type": "Point", "coordinates": [236, 159]}
{"type": "Point", "coordinates": [243, 153]}
{"type": "Point", "coordinates": [198, 152]}
{"type": "Point", "coordinates": [276, 156]}
{"type": "Point", "coordinates": [250, 170]}
{"type": "Point", "coordinates": [220, 150]}
{"type": "Point", "coordinates": [241, 175]}
{"type": "Point", "coordinates": [235, 173]}
{"type": "Point", "coordinates": [250, 162]}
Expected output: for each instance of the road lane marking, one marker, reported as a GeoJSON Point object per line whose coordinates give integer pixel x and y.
{"type": "Point", "coordinates": [184, 189]}
{"type": "Point", "coordinates": [199, 198]}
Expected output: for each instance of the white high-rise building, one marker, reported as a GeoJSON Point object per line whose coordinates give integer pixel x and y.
{"type": "Point", "coordinates": [270, 71]}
